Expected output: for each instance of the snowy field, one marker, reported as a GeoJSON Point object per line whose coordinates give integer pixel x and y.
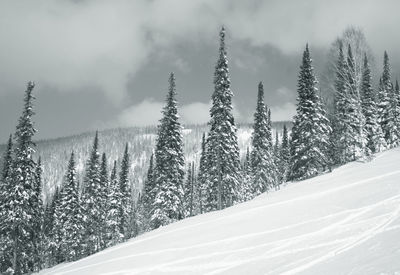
{"type": "Point", "coordinates": [345, 222]}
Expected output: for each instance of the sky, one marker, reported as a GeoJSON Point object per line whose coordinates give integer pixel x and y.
{"type": "Point", "coordinates": [104, 64]}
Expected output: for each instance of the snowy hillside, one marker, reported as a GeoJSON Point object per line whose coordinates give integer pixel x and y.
{"type": "Point", "coordinates": [344, 222]}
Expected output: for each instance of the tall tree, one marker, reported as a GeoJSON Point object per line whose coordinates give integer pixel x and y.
{"type": "Point", "coordinates": [5, 190]}
{"type": "Point", "coordinates": [264, 172]}
{"type": "Point", "coordinates": [356, 119]}
{"type": "Point", "coordinates": [310, 132]}
{"type": "Point", "coordinates": [202, 172]}
{"type": "Point", "coordinates": [19, 221]}
{"type": "Point", "coordinates": [113, 218]}
{"type": "Point", "coordinates": [148, 196]}
{"type": "Point", "coordinates": [103, 200]}
{"type": "Point", "coordinates": [37, 202]}
{"type": "Point", "coordinates": [169, 169]}
{"type": "Point", "coordinates": [386, 111]}
{"type": "Point", "coordinates": [126, 205]}
{"type": "Point", "coordinates": [92, 194]}
{"type": "Point", "coordinates": [71, 216]}
{"type": "Point", "coordinates": [223, 174]}
{"type": "Point", "coordinates": [375, 139]}
{"type": "Point", "coordinates": [284, 156]}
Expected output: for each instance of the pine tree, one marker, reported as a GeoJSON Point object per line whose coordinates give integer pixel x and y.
{"type": "Point", "coordinates": [375, 139]}
{"type": "Point", "coordinates": [126, 205]}
{"type": "Point", "coordinates": [113, 220]}
{"type": "Point", "coordinates": [341, 134]}
{"type": "Point", "coordinates": [246, 190]}
{"type": "Point", "coordinates": [148, 196]}
{"type": "Point", "coordinates": [284, 156]}
{"type": "Point", "coordinates": [396, 103]}
{"type": "Point", "coordinates": [19, 219]}
{"type": "Point", "coordinates": [223, 175]}
{"type": "Point", "coordinates": [201, 176]}
{"type": "Point", "coordinates": [310, 132]}
{"type": "Point", "coordinates": [188, 192]}
{"type": "Point", "coordinates": [264, 174]}
{"type": "Point", "coordinates": [386, 105]}
{"type": "Point", "coordinates": [56, 233]}
{"type": "Point", "coordinates": [103, 200]}
{"type": "Point", "coordinates": [37, 203]}
{"type": "Point", "coordinates": [169, 173]}
{"type": "Point", "coordinates": [49, 229]}
{"type": "Point", "coordinates": [70, 217]}
{"type": "Point", "coordinates": [92, 194]}
{"type": "Point", "coordinates": [5, 190]}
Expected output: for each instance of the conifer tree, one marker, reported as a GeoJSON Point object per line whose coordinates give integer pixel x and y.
{"type": "Point", "coordinates": [18, 222]}
{"type": "Point", "coordinates": [37, 203]}
{"type": "Point", "coordinates": [246, 191]}
{"type": "Point", "coordinates": [169, 173]}
{"type": "Point", "coordinates": [56, 255]}
{"type": "Point", "coordinates": [113, 220]}
{"type": "Point", "coordinates": [70, 216]}
{"type": "Point", "coordinates": [386, 110]}
{"type": "Point", "coordinates": [188, 192]}
{"type": "Point", "coordinates": [92, 194]}
{"type": "Point", "coordinates": [201, 176]}
{"type": "Point", "coordinates": [342, 132]}
{"type": "Point", "coordinates": [223, 175]}
{"type": "Point", "coordinates": [5, 190]}
{"type": "Point", "coordinates": [126, 206]}
{"type": "Point", "coordinates": [375, 140]}
{"type": "Point", "coordinates": [264, 174]}
{"type": "Point", "coordinates": [148, 196]}
{"type": "Point", "coordinates": [396, 107]}
{"type": "Point", "coordinates": [49, 229]}
{"type": "Point", "coordinates": [310, 132]}
{"type": "Point", "coordinates": [284, 156]}
{"type": "Point", "coordinates": [103, 199]}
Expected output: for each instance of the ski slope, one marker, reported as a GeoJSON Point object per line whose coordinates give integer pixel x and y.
{"type": "Point", "coordinates": [344, 222]}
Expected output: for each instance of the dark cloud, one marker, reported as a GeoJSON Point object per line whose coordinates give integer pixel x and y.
{"type": "Point", "coordinates": [94, 61]}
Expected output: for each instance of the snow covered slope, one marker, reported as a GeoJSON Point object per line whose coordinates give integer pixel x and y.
{"type": "Point", "coordinates": [344, 222]}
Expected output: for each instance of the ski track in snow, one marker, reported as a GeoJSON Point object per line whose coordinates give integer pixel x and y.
{"type": "Point", "coordinates": [347, 228]}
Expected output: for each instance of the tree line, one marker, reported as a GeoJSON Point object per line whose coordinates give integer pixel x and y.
{"type": "Point", "coordinates": [85, 217]}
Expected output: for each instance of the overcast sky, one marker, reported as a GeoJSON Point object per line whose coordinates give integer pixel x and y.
{"type": "Point", "coordinates": [101, 64]}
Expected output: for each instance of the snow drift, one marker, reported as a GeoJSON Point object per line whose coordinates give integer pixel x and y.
{"type": "Point", "coordinates": [344, 222]}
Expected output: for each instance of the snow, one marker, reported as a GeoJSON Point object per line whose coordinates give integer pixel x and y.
{"type": "Point", "coordinates": [343, 222]}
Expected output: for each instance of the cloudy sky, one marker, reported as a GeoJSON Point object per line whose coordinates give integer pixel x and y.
{"type": "Point", "coordinates": [102, 64]}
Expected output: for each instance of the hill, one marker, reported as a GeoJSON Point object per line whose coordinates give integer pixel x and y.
{"type": "Point", "coordinates": [344, 222]}
{"type": "Point", "coordinates": [56, 152]}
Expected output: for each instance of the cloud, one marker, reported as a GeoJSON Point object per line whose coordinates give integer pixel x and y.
{"type": "Point", "coordinates": [146, 113]}
{"type": "Point", "coordinates": [195, 113]}
{"type": "Point", "coordinates": [283, 112]}
{"type": "Point", "coordinates": [73, 45]}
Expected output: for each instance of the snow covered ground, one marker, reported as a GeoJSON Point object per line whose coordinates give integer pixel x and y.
{"type": "Point", "coordinates": [344, 222]}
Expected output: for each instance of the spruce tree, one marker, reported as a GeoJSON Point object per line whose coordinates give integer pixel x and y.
{"type": "Point", "coordinates": [386, 105]}
{"type": "Point", "coordinates": [126, 205]}
{"type": "Point", "coordinates": [103, 199]}
{"type": "Point", "coordinates": [57, 229]}
{"type": "Point", "coordinates": [91, 197]}
{"type": "Point", "coordinates": [396, 107]}
{"type": "Point", "coordinates": [113, 219]}
{"type": "Point", "coordinates": [19, 222]}
{"type": "Point", "coordinates": [188, 192]}
{"type": "Point", "coordinates": [310, 132]}
{"type": "Point", "coordinates": [264, 174]}
{"type": "Point", "coordinates": [37, 202]}
{"type": "Point", "coordinates": [223, 175]}
{"type": "Point", "coordinates": [169, 171]}
{"type": "Point", "coordinates": [246, 190]}
{"type": "Point", "coordinates": [5, 190]}
{"type": "Point", "coordinates": [284, 158]}
{"type": "Point", "coordinates": [70, 216]}
{"type": "Point", "coordinates": [201, 176]}
{"type": "Point", "coordinates": [342, 132]}
{"type": "Point", "coordinates": [148, 196]}
{"type": "Point", "coordinates": [375, 140]}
